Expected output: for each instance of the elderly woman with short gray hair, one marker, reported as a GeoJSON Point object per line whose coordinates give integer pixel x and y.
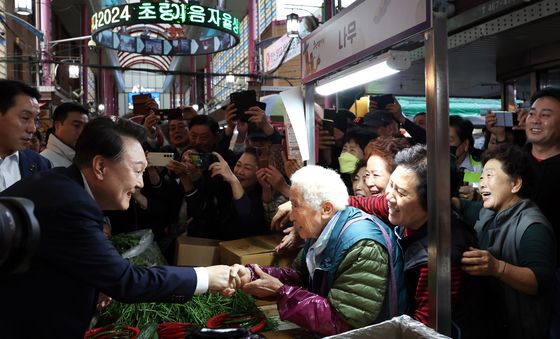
{"type": "Point", "coordinates": [349, 273]}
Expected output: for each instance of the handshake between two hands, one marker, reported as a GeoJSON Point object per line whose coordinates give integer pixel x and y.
{"type": "Point", "coordinates": [226, 279]}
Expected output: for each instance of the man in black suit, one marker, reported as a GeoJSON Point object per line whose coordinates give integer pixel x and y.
{"type": "Point", "coordinates": [75, 261]}
{"type": "Point", "coordinates": [19, 109]}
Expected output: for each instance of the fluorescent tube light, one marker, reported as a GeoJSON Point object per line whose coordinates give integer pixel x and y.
{"type": "Point", "coordinates": [379, 67]}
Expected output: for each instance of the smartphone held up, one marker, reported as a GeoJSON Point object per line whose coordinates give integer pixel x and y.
{"type": "Point", "coordinates": [243, 100]}
{"type": "Point", "coordinates": [159, 158]}
{"type": "Point", "coordinates": [505, 119]}
{"type": "Point", "coordinates": [202, 160]}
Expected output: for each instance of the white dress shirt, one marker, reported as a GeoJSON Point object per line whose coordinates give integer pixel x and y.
{"type": "Point", "coordinates": [9, 170]}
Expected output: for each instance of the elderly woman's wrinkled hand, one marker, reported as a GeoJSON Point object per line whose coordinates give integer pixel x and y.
{"type": "Point", "coordinates": [480, 262]}
{"type": "Point", "coordinates": [282, 216]}
{"type": "Point", "coordinates": [265, 286]}
{"type": "Point", "coordinates": [290, 240]}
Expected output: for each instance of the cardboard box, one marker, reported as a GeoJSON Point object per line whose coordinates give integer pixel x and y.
{"type": "Point", "coordinates": [255, 250]}
{"type": "Point", "coordinates": [193, 251]}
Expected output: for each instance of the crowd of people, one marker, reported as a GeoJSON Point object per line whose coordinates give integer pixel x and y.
{"type": "Point", "coordinates": [358, 218]}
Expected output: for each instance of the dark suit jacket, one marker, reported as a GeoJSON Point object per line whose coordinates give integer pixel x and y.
{"type": "Point", "coordinates": [31, 162]}
{"type": "Point", "coordinates": [57, 296]}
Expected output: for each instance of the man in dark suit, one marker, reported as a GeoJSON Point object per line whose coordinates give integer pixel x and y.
{"type": "Point", "coordinates": [19, 108]}
{"type": "Point", "coordinates": [75, 261]}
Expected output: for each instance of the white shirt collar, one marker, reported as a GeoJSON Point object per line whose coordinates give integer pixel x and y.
{"type": "Point", "coordinates": [320, 244]}
{"type": "Point", "coordinates": [9, 170]}
{"type": "Point", "coordinates": [13, 156]}
{"type": "Point", "coordinates": [86, 186]}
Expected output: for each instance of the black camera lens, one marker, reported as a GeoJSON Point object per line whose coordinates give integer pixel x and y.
{"type": "Point", "coordinates": [19, 235]}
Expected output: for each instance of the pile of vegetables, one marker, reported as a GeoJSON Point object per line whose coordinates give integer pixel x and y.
{"type": "Point", "coordinates": [195, 312]}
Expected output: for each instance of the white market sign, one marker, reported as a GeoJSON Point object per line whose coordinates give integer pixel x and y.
{"type": "Point", "coordinates": [365, 28]}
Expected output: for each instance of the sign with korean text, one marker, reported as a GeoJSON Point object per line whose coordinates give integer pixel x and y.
{"type": "Point", "coordinates": [107, 24]}
{"type": "Point", "coordinates": [365, 28]}
{"type": "Point", "coordinates": [274, 53]}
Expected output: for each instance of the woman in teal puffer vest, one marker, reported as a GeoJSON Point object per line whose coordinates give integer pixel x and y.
{"type": "Point", "coordinates": [349, 274]}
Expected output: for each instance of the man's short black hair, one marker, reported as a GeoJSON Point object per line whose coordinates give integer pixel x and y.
{"type": "Point", "coordinates": [104, 136]}
{"type": "Point", "coordinates": [12, 88]}
{"type": "Point", "coordinates": [205, 120]}
{"type": "Point", "coordinates": [546, 92]}
{"type": "Point", "coordinates": [61, 112]}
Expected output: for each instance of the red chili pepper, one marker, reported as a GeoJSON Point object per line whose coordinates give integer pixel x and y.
{"type": "Point", "coordinates": [173, 330]}
{"type": "Point", "coordinates": [216, 321]}
{"type": "Point", "coordinates": [112, 332]}
{"type": "Point", "coordinates": [258, 326]}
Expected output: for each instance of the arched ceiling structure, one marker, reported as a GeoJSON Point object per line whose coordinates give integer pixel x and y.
{"type": "Point", "coordinates": [70, 13]}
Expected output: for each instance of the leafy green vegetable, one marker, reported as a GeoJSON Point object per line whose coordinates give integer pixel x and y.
{"type": "Point", "coordinates": [196, 311]}
{"type": "Point", "coordinates": [123, 242]}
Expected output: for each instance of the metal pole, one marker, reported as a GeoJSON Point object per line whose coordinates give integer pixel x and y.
{"type": "Point", "coordinates": [252, 31]}
{"type": "Point", "coordinates": [209, 93]}
{"type": "Point", "coordinates": [439, 202]}
{"type": "Point", "coordinates": [181, 92]}
{"type": "Point", "coordinates": [193, 81]}
{"type": "Point", "coordinates": [46, 28]}
{"type": "Point", "coordinates": [85, 55]}
{"type": "Point", "coordinates": [38, 43]}
{"type": "Point", "coordinates": [310, 121]}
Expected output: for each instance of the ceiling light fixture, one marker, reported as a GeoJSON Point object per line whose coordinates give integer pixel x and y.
{"type": "Point", "coordinates": [292, 25]}
{"type": "Point", "coordinates": [74, 72]}
{"type": "Point", "coordinates": [376, 68]}
{"type": "Point", "coordinates": [23, 7]}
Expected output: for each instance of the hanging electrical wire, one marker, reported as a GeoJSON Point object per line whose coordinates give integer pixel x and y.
{"type": "Point", "coordinates": [148, 70]}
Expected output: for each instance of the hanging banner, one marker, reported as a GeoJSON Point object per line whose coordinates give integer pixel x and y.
{"type": "Point", "coordinates": [274, 53]}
